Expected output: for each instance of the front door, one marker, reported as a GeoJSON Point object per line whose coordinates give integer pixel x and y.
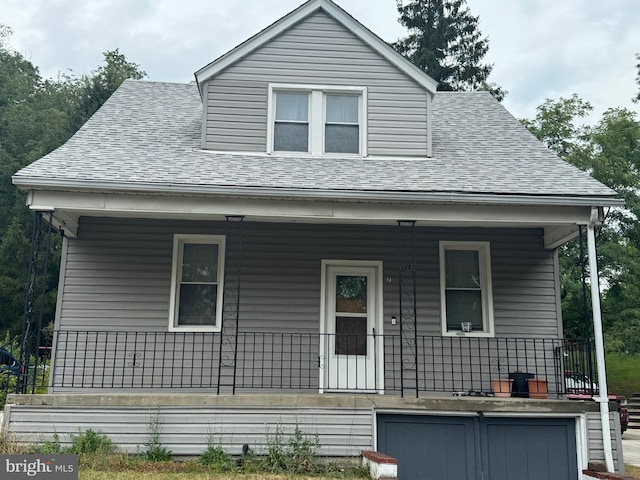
{"type": "Point", "coordinates": [351, 358]}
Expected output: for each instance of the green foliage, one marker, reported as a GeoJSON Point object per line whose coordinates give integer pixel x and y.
{"type": "Point", "coordinates": [216, 458]}
{"type": "Point", "coordinates": [555, 125]}
{"type": "Point", "coordinates": [92, 91]}
{"type": "Point", "coordinates": [90, 441]}
{"type": "Point", "coordinates": [87, 442]}
{"type": "Point", "coordinates": [302, 451]}
{"type": "Point", "coordinates": [445, 41]}
{"type": "Point", "coordinates": [155, 451]}
{"type": "Point", "coordinates": [297, 455]}
{"type": "Point", "coordinates": [610, 152]}
{"type": "Point", "coordinates": [622, 373]}
{"type": "Point", "coordinates": [53, 447]}
{"type": "Point", "coordinates": [36, 116]}
{"type": "Point", "coordinates": [636, 99]}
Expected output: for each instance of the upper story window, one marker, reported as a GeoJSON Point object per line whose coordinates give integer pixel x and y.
{"type": "Point", "coordinates": [196, 283]}
{"type": "Point", "coordinates": [465, 288]}
{"type": "Point", "coordinates": [317, 119]}
{"type": "Point", "coordinates": [291, 127]}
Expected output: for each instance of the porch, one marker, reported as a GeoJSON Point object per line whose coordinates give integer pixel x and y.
{"type": "Point", "coordinates": [290, 362]}
{"type": "Point", "coordinates": [342, 424]}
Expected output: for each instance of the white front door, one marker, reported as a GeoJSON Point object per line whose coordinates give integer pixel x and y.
{"type": "Point", "coordinates": [352, 335]}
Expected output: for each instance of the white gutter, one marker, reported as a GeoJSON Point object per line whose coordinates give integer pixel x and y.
{"type": "Point", "coordinates": [375, 196]}
{"type": "Point", "coordinates": [603, 397]}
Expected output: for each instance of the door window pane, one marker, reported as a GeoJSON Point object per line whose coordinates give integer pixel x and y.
{"type": "Point", "coordinates": [351, 335]}
{"type": "Point", "coordinates": [351, 294]}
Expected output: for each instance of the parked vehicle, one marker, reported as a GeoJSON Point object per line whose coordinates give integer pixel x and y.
{"type": "Point", "coordinates": [8, 363]}
{"type": "Point", "coordinates": [580, 387]}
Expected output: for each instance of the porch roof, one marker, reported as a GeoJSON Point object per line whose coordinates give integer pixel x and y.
{"type": "Point", "coordinates": [146, 138]}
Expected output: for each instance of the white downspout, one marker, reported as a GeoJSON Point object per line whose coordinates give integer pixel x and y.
{"type": "Point", "coordinates": [603, 397]}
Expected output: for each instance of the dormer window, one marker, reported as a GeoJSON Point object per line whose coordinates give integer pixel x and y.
{"type": "Point", "coordinates": [291, 128]}
{"type": "Point", "coordinates": [342, 124]}
{"type": "Point", "coordinates": [317, 119]}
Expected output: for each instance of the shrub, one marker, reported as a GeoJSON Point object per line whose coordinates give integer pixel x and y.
{"type": "Point", "coordinates": [90, 442]}
{"type": "Point", "coordinates": [216, 458]}
{"type": "Point", "coordinates": [155, 451]}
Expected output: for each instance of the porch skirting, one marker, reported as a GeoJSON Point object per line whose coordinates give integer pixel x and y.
{"type": "Point", "coordinates": [343, 424]}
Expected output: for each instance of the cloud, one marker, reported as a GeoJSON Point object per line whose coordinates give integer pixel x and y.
{"type": "Point", "coordinates": [540, 48]}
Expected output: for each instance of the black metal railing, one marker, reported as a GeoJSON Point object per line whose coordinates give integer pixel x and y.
{"type": "Point", "coordinates": [17, 370]}
{"type": "Point", "coordinates": [312, 361]}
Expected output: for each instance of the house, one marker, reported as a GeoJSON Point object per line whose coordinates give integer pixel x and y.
{"type": "Point", "coordinates": [310, 235]}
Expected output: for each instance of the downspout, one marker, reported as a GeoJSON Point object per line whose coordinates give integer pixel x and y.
{"type": "Point", "coordinates": [603, 397]}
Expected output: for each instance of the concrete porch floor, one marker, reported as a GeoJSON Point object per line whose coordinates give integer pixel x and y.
{"type": "Point", "coordinates": [378, 402]}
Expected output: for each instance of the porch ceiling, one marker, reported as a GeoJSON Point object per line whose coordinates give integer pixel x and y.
{"type": "Point", "coordinates": [558, 217]}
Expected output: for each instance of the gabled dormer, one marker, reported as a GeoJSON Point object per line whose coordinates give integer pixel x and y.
{"type": "Point", "coordinates": [316, 82]}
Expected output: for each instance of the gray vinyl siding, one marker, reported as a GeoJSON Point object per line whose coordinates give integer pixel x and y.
{"type": "Point", "coordinates": [316, 51]}
{"type": "Point", "coordinates": [118, 274]}
{"type": "Point", "coordinates": [594, 436]}
{"type": "Point", "coordinates": [117, 277]}
{"type": "Point", "coordinates": [185, 430]}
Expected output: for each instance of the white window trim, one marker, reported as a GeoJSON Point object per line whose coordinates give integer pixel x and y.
{"type": "Point", "coordinates": [378, 320]}
{"type": "Point", "coordinates": [317, 114]}
{"type": "Point", "coordinates": [484, 255]}
{"type": "Point", "coordinates": [176, 269]}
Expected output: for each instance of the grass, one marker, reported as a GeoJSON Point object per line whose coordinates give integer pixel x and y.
{"type": "Point", "coordinates": [120, 466]}
{"type": "Point", "coordinates": [631, 470]}
{"type": "Point", "coordinates": [286, 458]}
{"type": "Point", "coordinates": [100, 475]}
{"type": "Point", "coordinates": [622, 373]}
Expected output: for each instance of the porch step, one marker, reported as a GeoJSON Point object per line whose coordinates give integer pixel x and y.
{"type": "Point", "coordinates": [634, 411]}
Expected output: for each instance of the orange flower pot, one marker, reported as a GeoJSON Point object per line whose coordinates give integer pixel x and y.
{"type": "Point", "coordinates": [537, 388]}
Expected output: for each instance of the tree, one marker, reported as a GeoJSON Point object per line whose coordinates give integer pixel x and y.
{"type": "Point", "coordinates": [94, 90]}
{"type": "Point", "coordinates": [636, 99]}
{"type": "Point", "coordinates": [444, 40]}
{"type": "Point", "coordinates": [555, 126]}
{"type": "Point", "coordinates": [37, 116]}
{"type": "Point", "coordinates": [610, 152]}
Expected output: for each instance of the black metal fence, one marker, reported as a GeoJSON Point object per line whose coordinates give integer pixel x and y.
{"type": "Point", "coordinates": [313, 362]}
{"type": "Point", "coordinates": [17, 375]}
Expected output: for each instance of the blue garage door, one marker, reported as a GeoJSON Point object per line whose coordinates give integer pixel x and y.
{"type": "Point", "coordinates": [479, 448]}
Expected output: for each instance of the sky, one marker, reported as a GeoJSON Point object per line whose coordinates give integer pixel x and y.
{"type": "Point", "coordinates": [540, 49]}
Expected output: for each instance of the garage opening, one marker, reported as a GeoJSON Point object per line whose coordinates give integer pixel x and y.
{"type": "Point", "coordinates": [479, 448]}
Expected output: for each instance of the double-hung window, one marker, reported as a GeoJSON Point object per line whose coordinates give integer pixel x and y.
{"type": "Point", "coordinates": [291, 127]}
{"type": "Point", "coordinates": [197, 283]}
{"type": "Point", "coordinates": [465, 288]}
{"type": "Point", "coordinates": [317, 119]}
{"type": "Point", "coordinates": [342, 124]}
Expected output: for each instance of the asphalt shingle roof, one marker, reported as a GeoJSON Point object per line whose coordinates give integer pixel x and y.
{"type": "Point", "coordinates": [149, 133]}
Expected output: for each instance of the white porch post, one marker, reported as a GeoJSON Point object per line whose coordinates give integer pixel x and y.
{"type": "Point", "coordinates": [603, 397]}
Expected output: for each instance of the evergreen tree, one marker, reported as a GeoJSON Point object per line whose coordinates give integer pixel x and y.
{"type": "Point", "coordinates": [636, 99]}
{"type": "Point", "coordinates": [444, 40]}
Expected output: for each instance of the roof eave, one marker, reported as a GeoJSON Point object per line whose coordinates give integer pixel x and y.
{"type": "Point", "coordinates": [31, 183]}
{"type": "Point", "coordinates": [299, 14]}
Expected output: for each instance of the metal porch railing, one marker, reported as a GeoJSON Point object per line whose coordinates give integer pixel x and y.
{"type": "Point", "coordinates": [312, 361]}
